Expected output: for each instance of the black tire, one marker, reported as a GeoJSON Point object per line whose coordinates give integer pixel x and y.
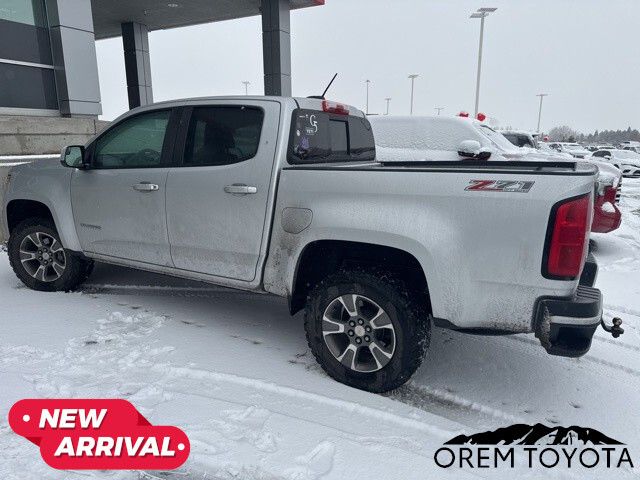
{"type": "Point", "coordinates": [406, 310]}
{"type": "Point", "coordinates": [76, 270]}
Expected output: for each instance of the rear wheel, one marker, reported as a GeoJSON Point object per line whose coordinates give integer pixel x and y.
{"type": "Point", "coordinates": [366, 330]}
{"type": "Point", "coordinates": [41, 262]}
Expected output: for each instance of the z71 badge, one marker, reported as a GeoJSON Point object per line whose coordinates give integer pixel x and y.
{"type": "Point", "coordinates": [499, 186]}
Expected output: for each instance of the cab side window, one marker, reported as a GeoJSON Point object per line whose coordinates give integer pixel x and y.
{"type": "Point", "coordinates": [222, 135]}
{"type": "Point", "coordinates": [137, 142]}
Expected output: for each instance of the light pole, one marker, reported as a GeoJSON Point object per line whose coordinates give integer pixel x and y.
{"type": "Point", "coordinates": [412, 77]}
{"type": "Point", "coordinates": [246, 87]}
{"type": "Point", "coordinates": [367, 82]}
{"type": "Point", "coordinates": [541, 95]}
{"type": "Point", "coordinates": [439, 109]}
{"type": "Point", "coordinates": [482, 13]}
{"type": "Point", "coordinates": [388, 99]}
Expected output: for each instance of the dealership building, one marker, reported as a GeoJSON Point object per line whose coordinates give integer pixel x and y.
{"type": "Point", "coordinates": [49, 88]}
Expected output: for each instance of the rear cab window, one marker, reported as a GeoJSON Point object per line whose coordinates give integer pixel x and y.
{"type": "Point", "coordinates": [321, 137]}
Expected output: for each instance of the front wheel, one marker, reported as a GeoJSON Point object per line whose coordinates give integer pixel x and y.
{"type": "Point", "coordinates": [367, 330]}
{"type": "Point", "coordinates": [41, 262]}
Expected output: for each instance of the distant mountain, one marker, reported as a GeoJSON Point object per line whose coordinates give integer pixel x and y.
{"type": "Point", "coordinates": [538, 434]}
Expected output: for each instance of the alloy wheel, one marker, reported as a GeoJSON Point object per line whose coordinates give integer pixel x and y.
{"type": "Point", "coordinates": [43, 257]}
{"type": "Point", "coordinates": [358, 333]}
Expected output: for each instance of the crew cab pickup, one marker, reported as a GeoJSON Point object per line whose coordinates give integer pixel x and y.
{"type": "Point", "coordinates": [284, 196]}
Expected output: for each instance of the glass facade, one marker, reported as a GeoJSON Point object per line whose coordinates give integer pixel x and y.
{"type": "Point", "coordinates": [26, 75]}
{"type": "Point", "coordinates": [27, 87]}
{"type": "Point", "coordinates": [29, 12]}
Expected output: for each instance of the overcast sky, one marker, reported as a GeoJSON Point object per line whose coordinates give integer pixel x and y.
{"type": "Point", "coordinates": [584, 53]}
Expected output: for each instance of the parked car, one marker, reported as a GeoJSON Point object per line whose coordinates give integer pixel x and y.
{"type": "Point", "coordinates": [629, 143]}
{"type": "Point", "coordinates": [626, 160]}
{"type": "Point", "coordinates": [439, 137]}
{"type": "Point", "coordinates": [545, 148]}
{"type": "Point", "coordinates": [283, 195]}
{"type": "Point", "coordinates": [631, 148]}
{"type": "Point", "coordinates": [607, 217]}
{"type": "Point", "coordinates": [574, 149]}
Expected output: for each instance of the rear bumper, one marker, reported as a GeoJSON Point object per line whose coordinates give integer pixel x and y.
{"type": "Point", "coordinates": [565, 326]}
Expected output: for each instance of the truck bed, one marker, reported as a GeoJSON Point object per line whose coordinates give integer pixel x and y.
{"type": "Point", "coordinates": [478, 229]}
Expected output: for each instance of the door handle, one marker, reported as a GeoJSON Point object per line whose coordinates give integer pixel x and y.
{"type": "Point", "coordinates": [240, 189]}
{"type": "Point", "coordinates": [146, 187]}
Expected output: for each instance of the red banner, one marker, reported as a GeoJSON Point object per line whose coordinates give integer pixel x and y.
{"type": "Point", "coordinates": [95, 434]}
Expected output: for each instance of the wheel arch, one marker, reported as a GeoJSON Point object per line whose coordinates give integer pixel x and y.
{"type": "Point", "coordinates": [20, 209]}
{"type": "Point", "coordinates": [319, 258]}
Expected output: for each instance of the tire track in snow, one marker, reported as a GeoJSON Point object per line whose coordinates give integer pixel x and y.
{"type": "Point", "coordinates": [406, 444]}
{"type": "Point", "coordinates": [416, 395]}
{"type": "Point", "coordinates": [586, 358]}
{"type": "Point", "coordinates": [344, 405]}
{"type": "Point", "coordinates": [617, 343]}
{"type": "Point", "coordinates": [621, 309]}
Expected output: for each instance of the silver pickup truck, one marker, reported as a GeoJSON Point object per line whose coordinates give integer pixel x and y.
{"type": "Point", "coordinates": [282, 195]}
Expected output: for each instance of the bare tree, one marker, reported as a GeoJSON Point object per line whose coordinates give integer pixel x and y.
{"type": "Point", "coordinates": [563, 133]}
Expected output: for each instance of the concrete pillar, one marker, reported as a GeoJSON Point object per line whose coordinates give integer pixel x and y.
{"type": "Point", "coordinates": [276, 47]}
{"type": "Point", "coordinates": [135, 40]}
{"type": "Point", "coordinates": [74, 56]}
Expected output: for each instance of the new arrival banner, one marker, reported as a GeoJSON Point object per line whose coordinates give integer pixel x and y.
{"type": "Point", "coordinates": [96, 434]}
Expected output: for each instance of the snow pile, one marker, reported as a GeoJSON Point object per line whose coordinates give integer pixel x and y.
{"type": "Point", "coordinates": [607, 207]}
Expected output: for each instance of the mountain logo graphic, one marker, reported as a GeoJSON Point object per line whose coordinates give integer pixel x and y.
{"type": "Point", "coordinates": [538, 434]}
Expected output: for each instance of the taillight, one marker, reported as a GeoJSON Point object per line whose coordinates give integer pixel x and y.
{"type": "Point", "coordinates": [567, 238]}
{"type": "Point", "coordinates": [336, 108]}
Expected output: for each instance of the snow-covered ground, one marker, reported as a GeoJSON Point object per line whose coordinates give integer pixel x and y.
{"type": "Point", "coordinates": [233, 370]}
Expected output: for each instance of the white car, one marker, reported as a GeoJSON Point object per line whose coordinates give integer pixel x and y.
{"type": "Point", "coordinates": [444, 138]}
{"type": "Point", "coordinates": [630, 143]}
{"type": "Point", "coordinates": [631, 148]}
{"type": "Point", "coordinates": [626, 160]}
{"type": "Point", "coordinates": [574, 149]}
{"type": "Point", "coordinates": [544, 147]}
{"type": "Point", "coordinates": [438, 138]}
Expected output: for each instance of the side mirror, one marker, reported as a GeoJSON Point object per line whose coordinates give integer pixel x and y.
{"type": "Point", "coordinates": [469, 148]}
{"type": "Point", "coordinates": [473, 150]}
{"type": "Point", "coordinates": [73, 157]}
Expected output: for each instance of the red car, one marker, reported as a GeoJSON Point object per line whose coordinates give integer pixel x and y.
{"type": "Point", "coordinates": [606, 215]}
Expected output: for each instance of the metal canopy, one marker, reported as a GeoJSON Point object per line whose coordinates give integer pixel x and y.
{"type": "Point", "coordinates": [108, 15]}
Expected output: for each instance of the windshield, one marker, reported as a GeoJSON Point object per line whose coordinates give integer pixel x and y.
{"type": "Point", "coordinates": [519, 140]}
{"type": "Point", "coordinates": [497, 138]}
